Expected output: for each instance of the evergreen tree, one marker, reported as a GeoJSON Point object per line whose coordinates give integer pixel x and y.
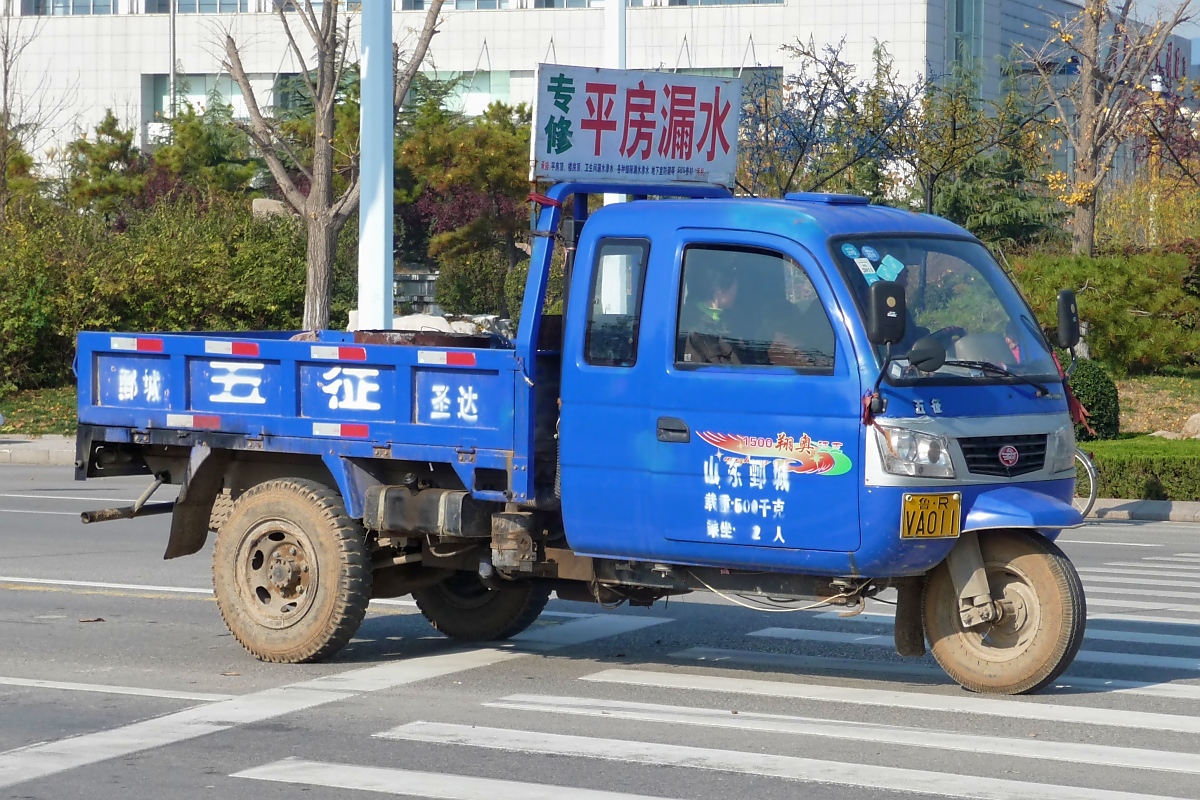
{"type": "Point", "coordinates": [107, 172]}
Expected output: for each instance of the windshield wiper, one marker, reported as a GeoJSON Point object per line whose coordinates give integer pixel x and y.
{"type": "Point", "coordinates": [985, 366]}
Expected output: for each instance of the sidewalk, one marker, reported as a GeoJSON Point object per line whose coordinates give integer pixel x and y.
{"type": "Point", "coordinates": [59, 451]}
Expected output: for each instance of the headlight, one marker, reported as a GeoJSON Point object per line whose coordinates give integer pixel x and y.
{"type": "Point", "coordinates": [907, 452]}
{"type": "Point", "coordinates": [1061, 449]}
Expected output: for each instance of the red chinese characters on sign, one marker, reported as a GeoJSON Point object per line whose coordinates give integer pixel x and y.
{"type": "Point", "coordinates": [679, 113]}
{"type": "Point", "coordinates": [639, 121]}
{"type": "Point", "coordinates": [600, 107]}
{"type": "Point", "coordinates": [714, 125]}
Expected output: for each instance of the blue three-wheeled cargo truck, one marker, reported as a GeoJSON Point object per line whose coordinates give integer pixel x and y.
{"type": "Point", "coordinates": [809, 400]}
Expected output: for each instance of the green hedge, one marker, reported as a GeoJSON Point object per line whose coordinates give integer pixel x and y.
{"type": "Point", "coordinates": [1140, 316]}
{"type": "Point", "coordinates": [1148, 468]}
{"type": "Point", "coordinates": [1096, 390]}
{"type": "Point", "coordinates": [182, 265]}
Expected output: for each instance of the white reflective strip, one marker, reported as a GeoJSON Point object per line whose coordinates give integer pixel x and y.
{"type": "Point", "coordinates": [325, 351]}
{"type": "Point", "coordinates": [954, 704]}
{"type": "Point", "coordinates": [431, 357]}
{"type": "Point", "coordinates": [419, 784]}
{"type": "Point", "coordinates": [122, 343]}
{"type": "Point", "coordinates": [1174, 559]}
{"type": "Point", "coordinates": [838, 773]}
{"type": "Point", "coordinates": [889, 670]}
{"type": "Point", "coordinates": [1132, 758]}
{"type": "Point", "coordinates": [881, 640]}
{"type": "Point", "coordinates": [327, 429]}
{"type": "Point", "coordinates": [100, 688]}
{"type": "Point", "coordinates": [218, 348]}
{"type": "Point", "coordinates": [179, 420]}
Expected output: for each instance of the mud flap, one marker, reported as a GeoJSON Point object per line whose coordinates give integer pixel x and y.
{"type": "Point", "coordinates": [203, 481]}
{"type": "Point", "coordinates": [910, 624]}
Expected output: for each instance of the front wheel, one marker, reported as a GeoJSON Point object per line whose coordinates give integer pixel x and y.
{"type": "Point", "coordinates": [464, 609]}
{"type": "Point", "coordinates": [1040, 628]}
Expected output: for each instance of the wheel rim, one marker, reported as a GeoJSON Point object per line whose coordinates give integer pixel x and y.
{"type": "Point", "coordinates": [276, 573]}
{"type": "Point", "coordinates": [1020, 620]}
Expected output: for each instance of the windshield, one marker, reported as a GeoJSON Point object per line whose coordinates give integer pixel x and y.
{"type": "Point", "coordinates": [956, 293]}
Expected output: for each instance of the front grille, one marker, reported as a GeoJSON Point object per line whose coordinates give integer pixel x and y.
{"type": "Point", "coordinates": [982, 454]}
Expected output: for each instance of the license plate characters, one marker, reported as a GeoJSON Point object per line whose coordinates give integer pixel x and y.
{"type": "Point", "coordinates": [931, 516]}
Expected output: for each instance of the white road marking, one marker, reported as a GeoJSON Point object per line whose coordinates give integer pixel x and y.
{"type": "Point", "coordinates": [48, 513]}
{"type": "Point", "coordinates": [857, 731]}
{"type": "Point", "coordinates": [69, 497]}
{"type": "Point", "coordinates": [1144, 565]}
{"type": "Point", "coordinates": [882, 640]}
{"type": "Point", "coordinates": [101, 585]}
{"type": "Point", "coordinates": [584, 630]}
{"type": "Point", "coordinates": [48, 758]}
{"type": "Point", "coordinates": [955, 704]}
{"type": "Point", "coordinates": [189, 590]}
{"type": "Point", "coordinates": [1115, 544]}
{"type": "Point", "coordinates": [1149, 573]}
{"type": "Point", "coordinates": [793, 663]}
{"type": "Point", "coordinates": [1091, 579]}
{"type": "Point", "coordinates": [1174, 559]}
{"type": "Point", "coordinates": [735, 761]}
{"type": "Point", "coordinates": [887, 618]}
{"type": "Point", "coordinates": [1092, 588]}
{"type": "Point", "coordinates": [106, 689]}
{"type": "Point", "coordinates": [1142, 605]}
{"type": "Point", "coordinates": [418, 784]}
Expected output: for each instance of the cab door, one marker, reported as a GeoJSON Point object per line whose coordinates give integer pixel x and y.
{"type": "Point", "coordinates": [756, 449]}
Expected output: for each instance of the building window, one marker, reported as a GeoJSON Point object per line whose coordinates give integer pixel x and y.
{"type": "Point", "coordinates": [723, 2]}
{"type": "Point", "coordinates": [62, 8]}
{"type": "Point", "coordinates": [200, 6]}
{"type": "Point", "coordinates": [483, 5]}
{"type": "Point", "coordinates": [412, 5]}
{"type": "Point", "coordinates": [964, 31]}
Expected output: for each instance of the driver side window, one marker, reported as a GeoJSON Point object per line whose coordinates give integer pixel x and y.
{"type": "Point", "coordinates": [749, 307]}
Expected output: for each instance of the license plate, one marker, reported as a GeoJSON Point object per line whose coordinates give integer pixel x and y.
{"type": "Point", "coordinates": [931, 516]}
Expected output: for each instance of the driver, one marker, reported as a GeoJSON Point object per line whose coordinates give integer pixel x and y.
{"type": "Point", "coordinates": [711, 290]}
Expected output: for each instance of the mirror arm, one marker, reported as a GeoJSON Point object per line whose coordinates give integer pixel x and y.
{"type": "Point", "coordinates": [879, 403]}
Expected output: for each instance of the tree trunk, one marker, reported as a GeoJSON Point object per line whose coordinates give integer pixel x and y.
{"type": "Point", "coordinates": [322, 249]}
{"type": "Point", "coordinates": [1084, 230]}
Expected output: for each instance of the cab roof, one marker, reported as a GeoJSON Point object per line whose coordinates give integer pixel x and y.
{"type": "Point", "coordinates": [809, 218]}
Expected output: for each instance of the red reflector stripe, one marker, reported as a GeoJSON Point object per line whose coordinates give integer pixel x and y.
{"type": "Point", "coordinates": [357, 431]}
{"type": "Point", "coordinates": [208, 423]}
{"type": "Point", "coordinates": [460, 359]}
{"type": "Point", "coordinates": [352, 353]}
{"type": "Point", "coordinates": [150, 345]}
{"type": "Point", "coordinates": [245, 349]}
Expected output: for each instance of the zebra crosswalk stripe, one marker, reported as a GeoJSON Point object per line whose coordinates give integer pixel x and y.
{"type": "Point", "coordinates": [859, 775]}
{"type": "Point", "coordinates": [858, 731]}
{"type": "Point", "coordinates": [410, 783]}
{"type": "Point", "coordinates": [919, 701]}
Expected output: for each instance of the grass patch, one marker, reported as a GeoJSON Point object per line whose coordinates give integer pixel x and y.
{"type": "Point", "coordinates": [1147, 468]}
{"type": "Point", "coordinates": [1157, 403]}
{"type": "Point", "coordinates": [39, 411]}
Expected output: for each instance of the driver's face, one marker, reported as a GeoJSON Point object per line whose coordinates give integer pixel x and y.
{"type": "Point", "coordinates": [724, 298]}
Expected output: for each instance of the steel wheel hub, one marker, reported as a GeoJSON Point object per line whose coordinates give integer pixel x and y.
{"type": "Point", "coordinates": [276, 573]}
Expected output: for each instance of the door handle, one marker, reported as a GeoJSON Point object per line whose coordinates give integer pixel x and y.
{"type": "Point", "coordinates": [673, 430]}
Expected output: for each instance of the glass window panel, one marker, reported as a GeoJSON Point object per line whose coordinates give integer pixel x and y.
{"type": "Point", "coordinates": [616, 303]}
{"type": "Point", "coordinates": [751, 308]}
{"type": "Point", "coordinates": [81, 6]}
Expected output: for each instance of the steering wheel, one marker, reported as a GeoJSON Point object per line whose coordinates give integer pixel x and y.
{"type": "Point", "coordinates": [948, 335]}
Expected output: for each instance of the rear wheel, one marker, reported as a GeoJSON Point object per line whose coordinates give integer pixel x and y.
{"type": "Point", "coordinates": [291, 572]}
{"type": "Point", "coordinates": [1042, 620]}
{"type": "Point", "coordinates": [463, 608]}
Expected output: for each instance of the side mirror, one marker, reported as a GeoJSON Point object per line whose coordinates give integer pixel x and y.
{"type": "Point", "coordinates": [1068, 320]}
{"type": "Point", "coordinates": [927, 355]}
{"type": "Point", "coordinates": [886, 316]}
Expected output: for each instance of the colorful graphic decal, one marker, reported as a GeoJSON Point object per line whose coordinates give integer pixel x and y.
{"type": "Point", "coordinates": [801, 456]}
{"type": "Point", "coordinates": [870, 252]}
{"type": "Point", "coordinates": [849, 250]}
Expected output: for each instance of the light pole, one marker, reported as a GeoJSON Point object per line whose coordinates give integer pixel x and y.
{"type": "Point", "coordinates": [377, 132]}
{"type": "Point", "coordinates": [171, 89]}
{"type": "Point", "coordinates": [614, 53]}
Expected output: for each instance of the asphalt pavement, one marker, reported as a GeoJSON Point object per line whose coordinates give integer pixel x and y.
{"type": "Point", "coordinates": [119, 680]}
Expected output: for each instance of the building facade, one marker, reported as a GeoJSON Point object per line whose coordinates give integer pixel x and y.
{"type": "Point", "coordinates": [103, 54]}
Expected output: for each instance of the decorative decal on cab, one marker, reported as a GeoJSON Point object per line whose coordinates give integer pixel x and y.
{"type": "Point", "coordinates": [801, 456]}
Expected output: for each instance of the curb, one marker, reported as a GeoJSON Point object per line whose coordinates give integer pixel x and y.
{"type": "Point", "coordinates": [53, 451]}
{"type": "Point", "coordinates": [1146, 510]}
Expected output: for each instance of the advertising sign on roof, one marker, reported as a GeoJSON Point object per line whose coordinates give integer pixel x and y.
{"type": "Point", "coordinates": [630, 126]}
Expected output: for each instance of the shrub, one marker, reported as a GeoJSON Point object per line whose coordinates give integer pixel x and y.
{"type": "Point", "coordinates": [1148, 468]}
{"type": "Point", "coordinates": [1140, 318]}
{"type": "Point", "coordinates": [472, 284]}
{"type": "Point", "coordinates": [1098, 394]}
{"type": "Point", "coordinates": [514, 287]}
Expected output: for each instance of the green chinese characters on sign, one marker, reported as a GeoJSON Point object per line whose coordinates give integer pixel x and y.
{"type": "Point", "coordinates": [558, 135]}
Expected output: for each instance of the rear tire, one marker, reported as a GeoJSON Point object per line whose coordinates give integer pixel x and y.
{"type": "Point", "coordinates": [291, 572]}
{"type": "Point", "coordinates": [464, 609]}
{"type": "Point", "coordinates": [1040, 632]}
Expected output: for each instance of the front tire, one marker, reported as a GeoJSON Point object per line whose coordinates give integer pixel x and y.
{"type": "Point", "coordinates": [464, 609]}
{"type": "Point", "coordinates": [291, 572]}
{"type": "Point", "coordinates": [1038, 634]}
